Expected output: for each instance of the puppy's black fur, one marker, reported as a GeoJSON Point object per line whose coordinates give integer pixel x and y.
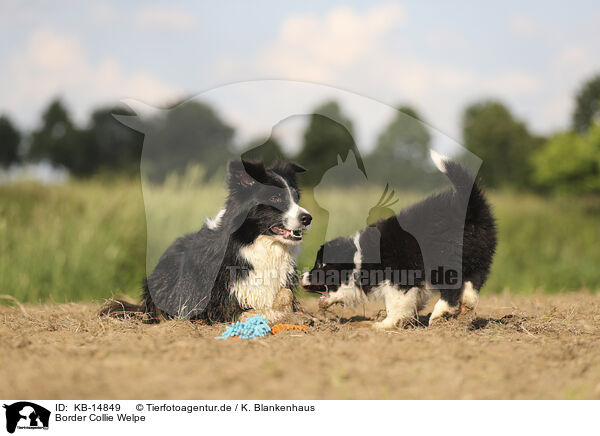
{"type": "Point", "coordinates": [434, 232]}
{"type": "Point", "coordinates": [194, 277]}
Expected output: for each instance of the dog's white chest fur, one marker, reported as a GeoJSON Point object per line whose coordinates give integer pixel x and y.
{"type": "Point", "coordinates": [273, 264]}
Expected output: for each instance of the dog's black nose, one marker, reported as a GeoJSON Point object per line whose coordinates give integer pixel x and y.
{"type": "Point", "coordinates": [305, 219]}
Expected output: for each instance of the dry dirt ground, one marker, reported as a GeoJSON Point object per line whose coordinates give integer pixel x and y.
{"type": "Point", "coordinates": [539, 347]}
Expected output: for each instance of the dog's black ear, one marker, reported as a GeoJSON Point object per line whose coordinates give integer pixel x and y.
{"type": "Point", "coordinates": [297, 168]}
{"type": "Point", "coordinates": [290, 168]}
{"type": "Point", "coordinates": [243, 173]}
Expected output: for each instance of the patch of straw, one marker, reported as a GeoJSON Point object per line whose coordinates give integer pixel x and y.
{"type": "Point", "coordinates": [14, 300]}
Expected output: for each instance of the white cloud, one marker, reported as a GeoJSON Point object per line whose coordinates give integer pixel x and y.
{"type": "Point", "coordinates": [104, 13]}
{"type": "Point", "coordinates": [575, 58]}
{"type": "Point", "coordinates": [55, 64]}
{"type": "Point", "coordinates": [311, 47]}
{"type": "Point", "coordinates": [567, 72]}
{"type": "Point", "coordinates": [369, 50]}
{"type": "Point", "coordinates": [510, 83]}
{"type": "Point", "coordinates": [360, 51]}
{"type": "Point", "coordinates": [164, 18]}
{"type": "Point", "coordinates": [524, 26]}
{"type": "Point", "coordinates": [446, 38]}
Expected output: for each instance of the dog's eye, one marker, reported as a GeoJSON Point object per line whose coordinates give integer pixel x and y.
{"type": "Point", "coordinates": [276, 199]}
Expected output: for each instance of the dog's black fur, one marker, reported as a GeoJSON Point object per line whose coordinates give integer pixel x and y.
{"type": "Point", "coordinates": [435, 231]}
{"type": "Point", "coordinates": [194, 276]}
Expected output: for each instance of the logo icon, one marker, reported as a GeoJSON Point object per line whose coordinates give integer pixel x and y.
{"type": "Point", "coordinates": [26, 415]}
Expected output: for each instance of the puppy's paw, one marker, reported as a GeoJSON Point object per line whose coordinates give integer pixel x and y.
{"type": "Point", "coordinates": [442, 311]}
{"type": "Point", "coordinates": [469, 299]}
{"type": "Point", "coordinates": [249, 314]}
{"type": "Point", "coordinates": [284, 300]}
{"type": "Point", "coordinates": [386, 324]}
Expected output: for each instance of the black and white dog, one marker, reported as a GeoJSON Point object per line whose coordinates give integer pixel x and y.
{"type": "Point", "coordinates": [237, 261]}
{"type": "Point", "coordinates": [453, 228]}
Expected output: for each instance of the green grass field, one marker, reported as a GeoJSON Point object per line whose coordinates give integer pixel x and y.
{"type": "Point", "coordinates": [86, 240]}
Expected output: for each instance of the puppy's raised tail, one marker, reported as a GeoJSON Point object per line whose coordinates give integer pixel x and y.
{"type": "Point", "coordinates": [465, 184]}
{"type": "Point", "coordinates": [461, 179]}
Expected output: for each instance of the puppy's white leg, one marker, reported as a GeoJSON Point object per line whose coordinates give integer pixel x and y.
{"type": "Point", "coordinates": [400, 306]}
{"type": "Point", "coordinates": [348, 295]}
{"type": "Point", "coordinates": [423, 298]}
{"type": "Point", "coordinates": [448, 306]}
{"type": "Point", "coordinates": [469, 298]}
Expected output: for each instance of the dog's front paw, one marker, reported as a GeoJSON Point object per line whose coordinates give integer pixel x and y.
{"type": "Point", "coordinates": [284, 300]}
{"type": "Point", "coordinates": [386, 324]}
{"type": "Point", "coordinates": [442, 311]}
{"type": "Point", "coordinates": [469, 299]}
{"type": "Point", "coordinates": [249, 314]}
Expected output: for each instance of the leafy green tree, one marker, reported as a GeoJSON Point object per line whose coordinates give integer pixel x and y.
{"type": "Point", "coordinates": [405, 136]}
{"type": "Point", "coordinates": [587, 105]}
{"type": "Point", "coordinates": [402, 153]}
{"type": "Point", "coordinates": [329, 134]}
{"type": "Point", "coordinates": [570, 162]}
{"type": "Point", "coordinates": [104, 144]}
{"type": "Point", "coordinates": [191, 133]}
{"type": "Point", "coordinates": [115, 146]}
{"type": "Point", "coordinates": [502, 142]}
{"type": "Point", "coordinates": [59, 141]}
{"type": "Point", "coordinates": [10, 138]}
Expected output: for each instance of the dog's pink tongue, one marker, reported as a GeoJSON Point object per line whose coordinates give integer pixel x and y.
{"type": "Point", "coordinates": [282, 231]}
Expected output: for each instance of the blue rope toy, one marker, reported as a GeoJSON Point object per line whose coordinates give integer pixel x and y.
{"type": "Point", "coordinates": [255, 327]}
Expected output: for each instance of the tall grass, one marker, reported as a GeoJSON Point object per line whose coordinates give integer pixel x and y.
{"type": "Point", "coordinates": [88, 240]}
{"type": "Point", "coordinates": [76, 241]}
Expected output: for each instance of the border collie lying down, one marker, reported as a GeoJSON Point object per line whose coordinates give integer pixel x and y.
{"type": "Point", "coordinates": [238, 261]}
{"type": "Point", "coordinates": [452, 228]}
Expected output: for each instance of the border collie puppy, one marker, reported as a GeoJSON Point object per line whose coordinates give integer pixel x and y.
{"type": "Point", "coordinates": [397, 259]}
{"type": "Point", "coordinates": [239, 260]}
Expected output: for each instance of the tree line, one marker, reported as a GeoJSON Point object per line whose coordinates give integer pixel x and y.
{"type": "Point", "coordinates": [513, 157]}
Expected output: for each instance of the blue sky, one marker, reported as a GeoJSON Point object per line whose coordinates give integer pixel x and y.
{"type": "Point", "coordinates": [438, 56]}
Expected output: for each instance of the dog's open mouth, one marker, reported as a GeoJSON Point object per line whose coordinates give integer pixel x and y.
{"type": "Point", "coordinates": [317, 289]}
{"type": "Point", "coordinates": [292, 235]}
{"type": "Point", "coordinates": [324, 294]}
